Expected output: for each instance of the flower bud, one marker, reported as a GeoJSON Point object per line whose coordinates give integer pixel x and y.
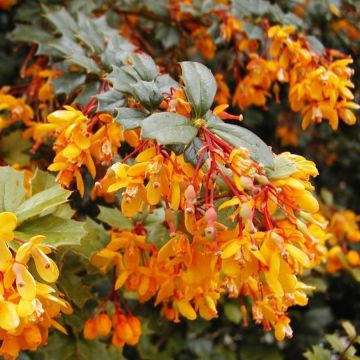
{"type": "Point", "coordinates": [89, 331]}
{"type": "Point", "coordinates": [103, 324]}
{"type": "Point", "coordinates": [261, 179]}
{"type": "Point", "coordinates": [246, 183]}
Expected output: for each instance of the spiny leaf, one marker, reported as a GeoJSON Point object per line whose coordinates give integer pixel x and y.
{"type": "Point", "coordinates": [12, 191]}
{"type": "Point", "coordinates": [58, 231]}
{"type": "Point", "coordinates": [114, 218]}
{"type": "Point", "coordinates": [110, 100]}
{"type": "Point", "coordinates": [130, 118]}
{"type": "Point", "coordinates": [15, 149]}
{"type": "Point", "coordinates": [145, 66]}
{"type": "Point", "coordinates": [41, 202]}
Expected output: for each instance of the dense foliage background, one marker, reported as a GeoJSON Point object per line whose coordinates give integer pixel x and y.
{"type": "Point", "coordinates": [174, 31]}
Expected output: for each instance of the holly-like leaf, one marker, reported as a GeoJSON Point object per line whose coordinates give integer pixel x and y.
{"type": "Point", "coordinates": [122, 78]}
{"type": "Point", "coordinates": [68, 82]}
{"type": "Point", "coordinates": [41, 181]}
{"type": "Point", "coordinates": [30, 33]}
{"type": "Point", "coordinates": [114, 218]}
{"type": "Point", "coordinates": [168, 128]}
{"type": "Point", "coordinates": [12, 191]}
{"type": "Point", "coordinates": [88, 33]}
{"type": "Point", "coordinates": [130, 118]}
{"type": "Point", "coordinates": [95, 239]}
{"type": "Point", "coordinates": [61, 20]}
{"type": "Point", "coordinates": [145, 66]}
{"type": "Point", "coordinates": [42, 201]}
{"type": "Point", "coordinates": [110, 100]}
{"type": "Point", "coordinates": [200, 86]}
{"type": "Point", "coordinates": [148, 94]}
{"type": "Point", "coordinates": [89, 90]}
{"type": "Point", "coordinates": [58, 231]}
{"type": "Point", "coordinates": [241, 137]}
{"type": "Point", "coordinates": [14, 148]}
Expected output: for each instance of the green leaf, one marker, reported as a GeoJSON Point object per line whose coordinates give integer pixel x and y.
{"type": "Point", "coordinates": [30, 33]}
{"type": "Point", "coordinates": [58, 231]}
{"type": "Point", "coordinates": [61, 20]}
{"type": "Point", "coordinates": [122, 78]}
{"type": "Point", "coordinates": [232, 312]}
{"type": "Point", "coordinates": [13, 147]}
{"type": "Point", "coordinates": [89, 90]}
{"type": "Point", "coordinates": [114, 218]}
{"type": "Point", "coordinates": [315, 45]}
{"type": "Point", "coordinates": [336, 342]}
{"type": "Point", "coordinates": [85, 62]}
{"type": "Point", "coordinates": [148, 93]}
{"type": "Point", "coordinates": [200, 86]}
{"type": "Point", "coordinates": [88, 33]}
{"type": "Point", "coordinates": [12, 191]}
{"type": "Point", "coordinates": [73, 287]}
{"type": "Point", "coordinates": [41, 202]}
{"type": "Point", "coordinates": [165, 83]}
{"type": "Point", "coordinates": [168, 36]}
{"type": "Point", "coordinates": [58, 347]}
{"type": "Point", "coordinates": [145, 66]}
{"type": "Point", "coordinates": [95, 239]}
{"type": "Point", "coordinates": [41, 181]}
{"type": "Point", "coordinates": [283, 167]}
{"type": "Point", "coordinates": [192, 152]}
{"type": "Point", "coordinates": [317, 353]}
{"type": "Point", "coordinates": [130, 118]}
{"type": "Point", "coordinates": [68, 82]}
{"type": "Point", "coordinates": [109, 101]}
{"type": "Point", "coordinates": [157, 234]}
{"type": "Point", "coordinates": [168, 128]}
{"type": "Point", "coordinates": [95, 350]}
{"type": "Point", "coordinates": [241, 137]}
{"type": "Point", "coordinates": [349, 328]}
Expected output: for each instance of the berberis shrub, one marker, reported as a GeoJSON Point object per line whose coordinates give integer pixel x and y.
{"type": "Point", "coordinates": [158, 197]}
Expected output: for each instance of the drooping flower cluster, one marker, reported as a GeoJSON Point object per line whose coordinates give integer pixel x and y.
{"type": "Point", "coordinates": [13, 109]}
{"type": "Point", "coordinates": [126, 329]}
{"type": "Point", "coordinates": [346, 232]}
{"type": "Point", "coordinates": [319, 87]}
{"type": "Point", "coordinates": [27, 307]}
{"type": "Point", "coordinates": [81, 141]}
{"type": "Point", "coordinates": [269, 234]}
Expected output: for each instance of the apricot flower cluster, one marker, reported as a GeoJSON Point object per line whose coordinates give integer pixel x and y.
{"type": "Point", "coordinates": [27, 307]}
{"type": "Point", "coordinates": [319, 87]}
{"type": "Point", "coordinates": [126, 329]}
{"type": "Point", "coordinates": [80, 141]}
{"type": "Point", "coordinates": [269, 234]}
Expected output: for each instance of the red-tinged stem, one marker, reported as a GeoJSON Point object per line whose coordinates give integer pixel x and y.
{"type": "Point", "coordinates": [224, 146]}
{"type": "Point", "coordinates": [198, 165]}
{"type": "Point", "coordinates": [139, 148]}
{"type": "Point", "coordinates": [19, 240]}
{"type": "Point", "coordinates": [29, 56]}
{"type": "Point", "coordinates": [268, 222]}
